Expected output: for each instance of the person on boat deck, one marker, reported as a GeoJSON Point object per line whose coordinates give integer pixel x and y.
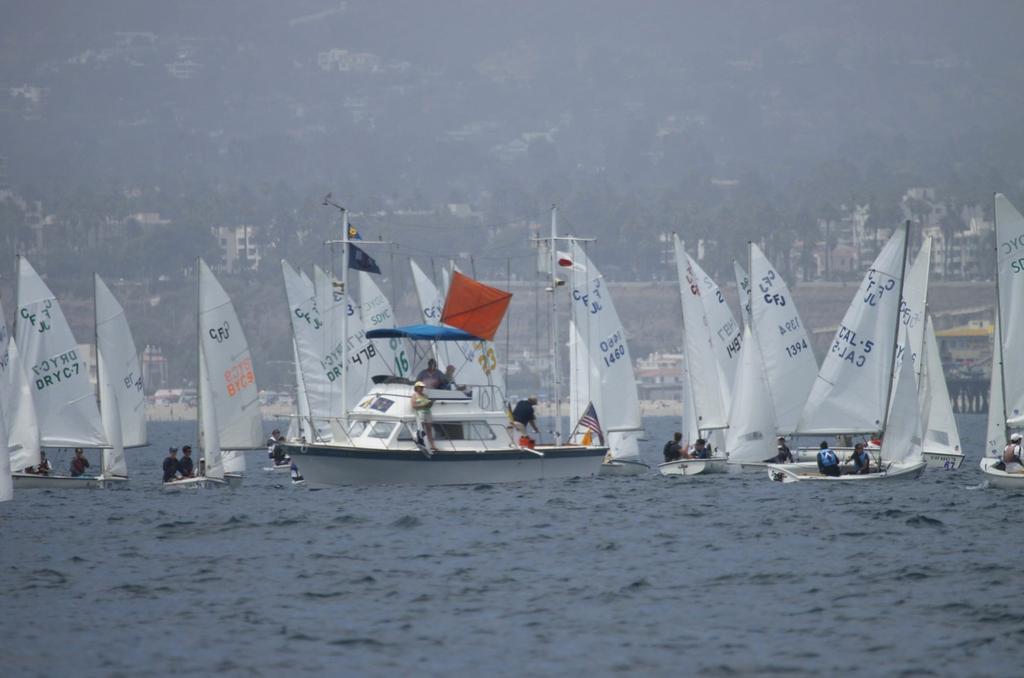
{"type": "Point", "coordinates": [828, 462]}
{"type": "Point", "coordinates": [79, 463]}
{"type": "Point", "coordinates": [701, 449]}
{"type": "Point", "coordinates": [422, 405]}
{"type": "Point", "coordinates": [431, 377]}
{"type": "Point", "coordinates": [784, 454]}
{"type": "Point", "coordinates": [673, 449]}
{"type": "Point", "coordinates": [171, 465]}
{"type": "Point", "coordinates": [861, 460]}
{"type": "Point", "coordinates": [1011, 453]}
{"type": "Point", "coordinates": [449, 380]}
{"type": "Point", "coordinates": [523, 415]}
{"type": "Point", "coordinates": [185, 467]}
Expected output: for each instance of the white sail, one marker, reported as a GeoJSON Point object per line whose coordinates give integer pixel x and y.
{"type": "Point", "coordinates": [579, 373]}
{"type": "Point", "coordinates": [790, 368]}
{"type": "Point", "coordinates": [392, 356]}
{"type": "Point", "coordinates": [318, 355]}
{"type": "Point", "coordinates": [6, 481]}
{"type": "Point", "coordinates": [690, 428]}
{"type": "Point", "coordinates": [742, 290]}
{"type": "Point", "coordinates": [703, 375]}
{"type": "Point", "coordinates": [912, 310]}
{"type": "Point", "coordinates": [902, 440]}
{"type": "Point", "coordinates": [726, 334]}
{"type": "Point", "coordinates": [1010, 264]}
{"type": "Point", "coordinates": [357, 377]}
{"type": "Point", "coordinates": [431, 304]}
{"type": "Point", "coordinates": [119, 377]}
{"type": "Point", "coordinates": [16, 394]}
{"type": "Point", "coordinates": [751, 432]}
{"type": "Point", "coordinates": [231, 379]}
{"type": "Point", "coordinates": [209, 436]}
{"type": "Point", "coordinates": [609, 383]}
{"type": "Point", "coordinates": [65, 402]}
{"type": "Point", "coordinates": [995, 431]}
{"type": "Point", "coordinates": [849, 394]}
{"type": "Point", "coordinates": [298, 426]}
{"type": "Point", "coordinates": [940, 430]}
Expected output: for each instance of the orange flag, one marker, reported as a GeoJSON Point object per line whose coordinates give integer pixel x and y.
{"type": "Point", "coordinates": [474, 307]}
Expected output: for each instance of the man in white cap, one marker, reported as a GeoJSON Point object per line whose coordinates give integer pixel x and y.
{"type": "Point", "coordinates": [422, 404]}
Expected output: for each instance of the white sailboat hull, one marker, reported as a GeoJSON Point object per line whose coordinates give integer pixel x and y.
{"type": "Point", "coordinates": [693, 467]}
{"type": "Point", "coordinates": [29, 481]}
{"type": "Point", "coordinates": [199, 482]}
{"type": "Point", "coordinates": [623, 467]}
{"type": "Point", "coordinates": [792, 473]}
{"type": "Point", "coordinates": [747, 466]}
{"type": "Point", "coordinates": [334, 465]}
{"type": "Point", "coordinates": [1013, 480]}
{"type": "Point", "coordinates": [948, 461]}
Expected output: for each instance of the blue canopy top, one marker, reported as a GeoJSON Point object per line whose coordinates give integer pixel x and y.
{"type": "Point", "coordinates": [423, 333]}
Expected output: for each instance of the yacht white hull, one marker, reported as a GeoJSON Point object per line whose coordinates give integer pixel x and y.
{"type": "Point", "coordinates": [29, 481]}
{"type": "Point", "coordinates": [792, 473]}
{"type": "Point", "coordinates": [623, 467]}
{"type": "Point", "coordinates": [278, 468]}
{"type": "Point", "coordinates": [1012, 480]}
{"type": "Point", "coordinates": [334, 465]}
{"type": "Point", "coordinates": [693, 467]}
{"type": "Point", "coordinates": [948, 461]}
{"type": "Point", "coordinates": [199, 482]}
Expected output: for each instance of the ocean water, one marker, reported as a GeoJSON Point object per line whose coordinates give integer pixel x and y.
{"type": "Point", "coordinates": [721, 575]}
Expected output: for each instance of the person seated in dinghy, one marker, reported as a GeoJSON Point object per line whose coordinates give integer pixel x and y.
{"type": "Point", "coordinates": [1011, 456]}
{"type": "Point", "coordinates": [861, 460]}
{"type": "Point", "coordinates": [828, 462]}
{"type": "Point", "coordinates": [185, 466]}
{"type": "Point", "coordinates": [275, 450]}
{"type": "Point", "coordinates": [701, 449]}
{"type": "Point", "coordinates": [673, 450]}
{"type": "Point", "coordinates": [79, 463]}
{"type": "Point", "coordinates": [171, 465]}
{"type": "Point", "coordinates": [295, 473]}
{"type": "Point", "coordinates": [784, 454]}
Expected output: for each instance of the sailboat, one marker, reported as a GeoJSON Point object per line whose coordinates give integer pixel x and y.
{"type": "Point", "coordinates": [6, 403]}
{"type": "Point", "coordinates": [941, 447]}
{"type": "Point", "coordinates": [63, 397]}
{"type": "Point", "coordinates": [777, 368]}
{"type": "Point", "coordinates": [711, 350]}
{"type": "Point", "coordinates": [601, 367]}
{"type": "Point", "coordinates": [1006, 403]}
{"type": "Point", "coordinates": [854, 392]}
{"type": "Point", "coordinates": [119, 378]}
{"type": "Point", "coordinates": [229, 407]}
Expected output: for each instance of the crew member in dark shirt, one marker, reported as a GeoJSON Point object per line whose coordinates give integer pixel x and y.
{"type": "Point", "coordinates": [171, 465]}
{"type": "Point", "coordinates": [784, 456]}
{"type": "Point", "coordinates": [79, 463]}
{"type": "Point", "coordinates": [185, 467]}
{"type": "Point", "coordinates": [673, 449]}
{"type": "Point", "coordinates": [523, 415]}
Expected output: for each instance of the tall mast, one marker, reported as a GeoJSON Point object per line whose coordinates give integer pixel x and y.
{"type": "Point", "coordinates": [895, 338]}
{"type": "Point", "coordinates": [999, 321]}
{"type": "Point", "coordinates": [344, 317]}
{"type": "Point", "coordinates": [199, 366]}
{"type": "Point", "coordinates": [555, 375]}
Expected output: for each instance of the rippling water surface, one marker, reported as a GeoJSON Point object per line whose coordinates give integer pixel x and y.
{"type": "Point", "coordinates": [722, 575]}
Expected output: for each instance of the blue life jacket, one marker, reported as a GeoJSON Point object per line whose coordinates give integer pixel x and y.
{"type": "Point", "coordinates": [828, 458]}
{"type": "Point", "coordinates": [861, 460]}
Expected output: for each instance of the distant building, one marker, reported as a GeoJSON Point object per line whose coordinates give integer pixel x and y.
{"type": "Point", "coordinates": [345, 61]}
{"type": "Point", "coordinates": [659, 376]}
{"type": "Point", "coordinates": [154, 368]}
{"type": "Point", "coordinates": [967, 349]}
{"type": "Point", "coordinates": [239, 248]}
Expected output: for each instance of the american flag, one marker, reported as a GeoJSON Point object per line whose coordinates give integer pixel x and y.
{"type": "Point", "coordinates": [589, 421]}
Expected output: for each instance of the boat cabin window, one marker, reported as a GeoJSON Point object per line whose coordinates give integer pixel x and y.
{"type": "Point", "coordinates": [463, 430]}
{"type": "Point", "coordinates": [381, 429]}
{"type": "Point", "coordinates": [356, 428]}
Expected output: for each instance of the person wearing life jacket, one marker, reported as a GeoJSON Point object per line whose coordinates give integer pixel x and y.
{"type": "Point", "coordinates": [828, 462]}
{"type": "Point", "coordinates": [673, 448]}
{"type": "Point", "coordinates": [1011, 455]}
{"type": "Point", "coordinates": [861, 460]}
